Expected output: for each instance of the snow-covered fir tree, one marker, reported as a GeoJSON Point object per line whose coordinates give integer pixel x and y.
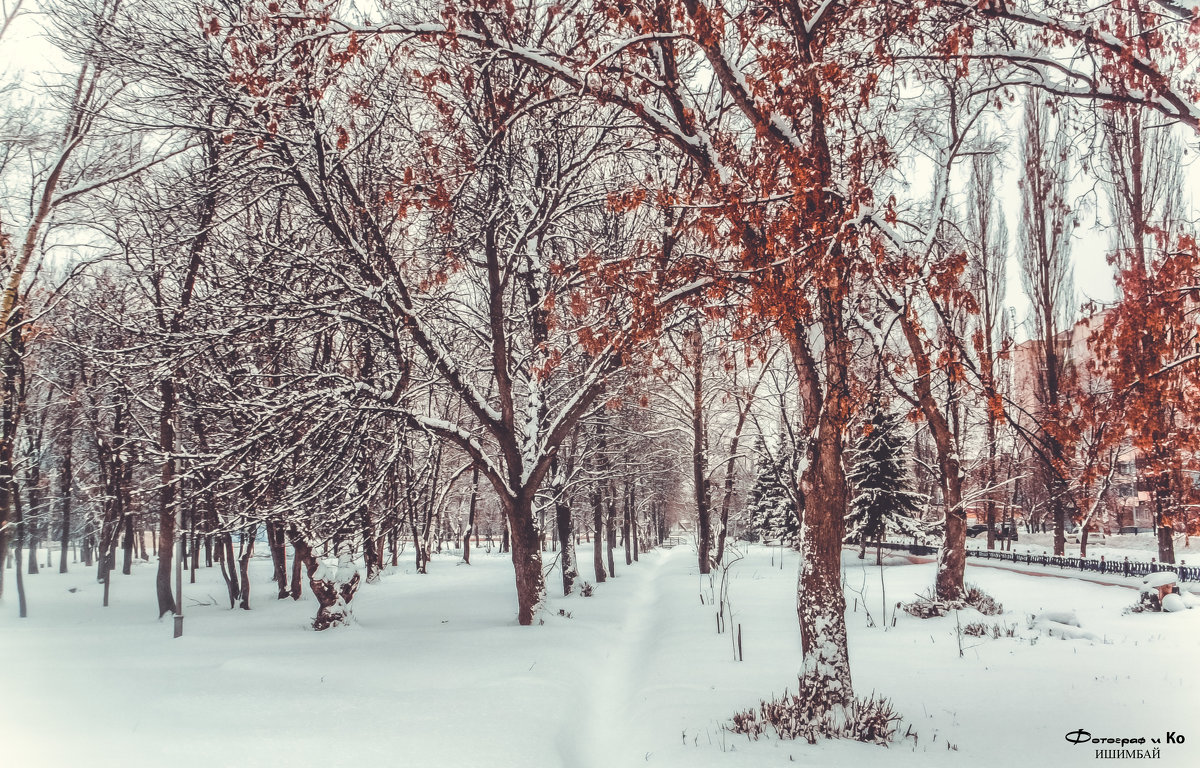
{"type": "Point", "coordinates": [770, 506]}
{"type": "Point", "coordinates": [883, 499]}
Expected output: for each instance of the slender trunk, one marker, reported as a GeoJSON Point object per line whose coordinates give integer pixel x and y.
{"type": "Point", "coordinates": [699, 458]}
{"type": "Point", "coordinates": [599, 469]}
{"type": "Point", "coordinates": [278, 546]}
{"type": "Point", "coordinates": [371, 557]}
{"type": "Point", "coordinates": [610, 529]}
{"type": "Point", "coordinates": [244, 565]}
{"type": "Point", "coordinates": [625, 524]}
{"type": "Point", "coordinates": [633, 518]}
{"type": "Point", "coordinates": [990, 479]}
{"type": "Point", "coordinates": [167, 510]}
{"type": "Point", "coordinates": [166, 499]}
{"type": "Point", "coordinates": [22, 606]}
{"type": "Point", "coordinates": [228, 567]}
{"type": "Point", "coordinates": [471, 516]}
{"type": "Point", "coordinates": [127, 545]}
{"type": "Point", "coordinates": [566, 538]}
{"type": "Point", "coordinates": [299, 551]}
{"type": "Point", "coordinates": [598, 534]}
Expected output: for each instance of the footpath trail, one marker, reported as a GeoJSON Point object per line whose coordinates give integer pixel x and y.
{"type": "Point", "coordinates": [599, 737]}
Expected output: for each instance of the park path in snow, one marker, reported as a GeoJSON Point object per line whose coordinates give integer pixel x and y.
{"type": "Point", "coordinates": [611, 687]}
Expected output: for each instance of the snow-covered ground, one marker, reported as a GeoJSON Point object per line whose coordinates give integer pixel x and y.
{"type": "Point", "coordinates": [436, 671]}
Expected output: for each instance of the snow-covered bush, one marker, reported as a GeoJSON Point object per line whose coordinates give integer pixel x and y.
{"type": "Point", "coordinates": [927, 607]}
{"type": "Point", "coordinates": [871, 720]}
{"type": "Point", "coordinates": [994, 631]}
{"type": "Point", "coordinates": [982, 601]}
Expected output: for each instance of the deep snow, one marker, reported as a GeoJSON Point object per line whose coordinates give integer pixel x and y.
{"type": "Point", "coordinates": [436, 671]}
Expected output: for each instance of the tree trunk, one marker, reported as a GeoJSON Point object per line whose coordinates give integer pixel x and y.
{"type": "Point", "coordinates": [699, 458]}
{"type": "Point", "coordinates": [610, 530]}
{"type": "Point", "coordinates": [633, 518]}
{"type": "Point", "coordinates": [166, 499]}
{"type": "Point", "coordinates": [952, 558]}
{"type": "Point", "coordinates": [22, 606]}
{"type": "Point", "coordinates": [471, 516]}
{"type": "Point", "coordinates": [598, 534]}
{"type": "Point", "coordinates": [278, 547]}
{"type": "Point", "coordinates": [625, 524]}
{"type": "Point", "coordinates": [526, 557]}
{"type": "Point", "coordinates": [371, 556]}
{"type": "Point", "coordinates": [299, 551]}
{"type": "Point", "coordinates": [566, 557]}
{"type": "Point", "coordinates": [228, 568]}
{"type": "Point", "coordinates": [127, 545]}
{"type": "Point", "coordinates": [244, 566]}
{"type": "Point", "coordinates": [334, 592]}
{"type": "Point", "coordinates": [820, 602]}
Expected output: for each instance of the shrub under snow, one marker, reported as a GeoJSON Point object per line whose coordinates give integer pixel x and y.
{"type": "Point", "coordinates": [871, 720]}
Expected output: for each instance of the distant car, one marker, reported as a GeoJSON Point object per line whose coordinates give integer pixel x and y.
{"type": "Point", "coordinates": [1095, 533]}
{"type": "Point", "coordinates": [1003, 530]}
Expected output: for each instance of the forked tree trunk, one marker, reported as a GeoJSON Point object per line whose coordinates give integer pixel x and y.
{"type": "Point", "coordinates": [334, 590]}
{"type": "Point", "coordinates": [228, 569]}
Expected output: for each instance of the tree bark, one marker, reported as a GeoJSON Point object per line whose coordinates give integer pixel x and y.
{"type": "Point", "coordinates": [820, 602]}
{"type": "Point", "coordinates": [699, 457]}
{"type": "Point", "coordinates": [244, 565]}
{"type": "Point", "coordinates": [471, 515]}
{"type": "Point", "coordinates": [526, 557]}
{"type": "Point", "coordinates": [566, 537]}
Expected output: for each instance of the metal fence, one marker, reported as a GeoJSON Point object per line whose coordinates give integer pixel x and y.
{"type": "Point", "coordinates": [1116, 566]}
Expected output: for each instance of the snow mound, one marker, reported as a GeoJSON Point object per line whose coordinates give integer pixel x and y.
{"type": "Point", "coordinates": [1190, 600]}
{"type": "Point", "coordinates": [1172, 603]}
{"type": "Point", "coordinates": [1160, 579]}
{"type": "Point", "coordinates": [1065, 631]}
{"type": "Point", "coordinates": [1058, 617]}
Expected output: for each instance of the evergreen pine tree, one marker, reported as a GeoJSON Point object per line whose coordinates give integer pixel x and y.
{"type": "Point", "coordinates": [771, 508]}
{"type": "Point", "coordinates": [883, 499]}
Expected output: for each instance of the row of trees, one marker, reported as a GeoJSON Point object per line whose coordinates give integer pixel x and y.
{"type": "Point", "coordinates": [348, 278]}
